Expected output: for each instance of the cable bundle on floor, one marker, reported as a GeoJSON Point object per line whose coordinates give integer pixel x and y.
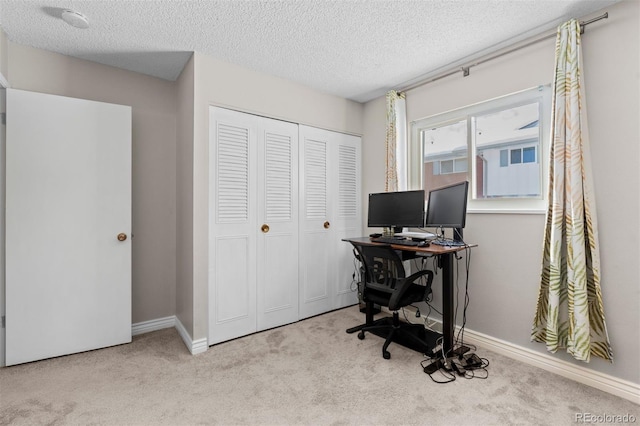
{"type": "Point", "coordinates": [463, 363]}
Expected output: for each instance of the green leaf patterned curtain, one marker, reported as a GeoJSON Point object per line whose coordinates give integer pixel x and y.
{"type": "Point", "coordinates": [395, 143]}
{"type": "Point", "coordinates": [570, 312]}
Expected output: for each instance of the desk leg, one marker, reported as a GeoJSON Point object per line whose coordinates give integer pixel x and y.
{"type": "Point", "coordinates": [448, 302]}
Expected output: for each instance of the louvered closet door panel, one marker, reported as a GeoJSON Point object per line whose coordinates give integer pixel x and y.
{"type": "Point", "coordinates": [348, 219]}
{"type": "Point", "coordinates": [232, 219]}
{"type": "Point", "coordinates": [316, 254]}
{"type": "Point", "coordinates": [277, 252]}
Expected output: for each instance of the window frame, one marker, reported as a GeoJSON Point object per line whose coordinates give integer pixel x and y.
{"type": "Point", "coordinates": [536, 204]}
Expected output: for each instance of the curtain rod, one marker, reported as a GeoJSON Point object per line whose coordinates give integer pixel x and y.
{"type": "Point", "coordinates": [465, 69]}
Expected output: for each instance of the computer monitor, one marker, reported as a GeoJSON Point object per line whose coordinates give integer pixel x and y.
{"type": "Point", "coordinates": [447, 208]}
{"type": "Point", "coordinates": [397, 210]}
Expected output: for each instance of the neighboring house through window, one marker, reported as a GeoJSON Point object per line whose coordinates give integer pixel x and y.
{"type": "Point", "coordinates": [496, 145]}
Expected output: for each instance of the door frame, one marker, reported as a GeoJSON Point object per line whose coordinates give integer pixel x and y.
{"type": "Point", "coordinates": [3, 109]}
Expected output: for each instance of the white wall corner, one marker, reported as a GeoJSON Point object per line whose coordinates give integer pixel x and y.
{"type": "Point", "coordinates": [195, 346]}
{"type": "Point", "coordinates": [153, 325]}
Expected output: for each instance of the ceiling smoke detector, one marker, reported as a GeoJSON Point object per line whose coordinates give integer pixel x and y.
{"type": "Point", "coordinates": [75, 19]}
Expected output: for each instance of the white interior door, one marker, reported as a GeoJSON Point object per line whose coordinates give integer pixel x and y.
{"type": "Point", "coordinates": [317, 259]}
{"type": "Point", "coordinates": [68, 197]}
{"type": "Point", "coordinates": [253, 224]}
{"type": "Point", "coordinates": [330, 210]}
{"type": "Point", "coordinates": [232, 224]}
{"type": "Point", "coordinates": [347, 220]}
{"type": "Point", "coordinates": [277, 251]}
{"type": "Point", "coordinates": [3, 96]}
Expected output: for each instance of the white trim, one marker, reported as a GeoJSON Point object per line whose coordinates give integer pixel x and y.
{"type": "Point", "coordinates": [199, 346]}
{"type": "Point", "coordinates": [540, 94]}
{"type": "Point", "coordinates": [604, 382]}
{"type": "Point", "coordinates": [153, 325]}
{"type": "Point", "coordinates": [194, 346]}
{"type": "Point", "coordinates": [508, 211]}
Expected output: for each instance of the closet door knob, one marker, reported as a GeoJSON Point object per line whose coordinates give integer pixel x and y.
{"type": "Point", "coordinates": [122, 236]}
{"type": "Point", "coordinates": [327, 225]}
{"type": "Point", "coordinates": [265, 228]}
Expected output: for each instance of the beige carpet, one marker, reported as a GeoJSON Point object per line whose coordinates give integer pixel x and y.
{"type": "Point", "coordinates": [307, 373]}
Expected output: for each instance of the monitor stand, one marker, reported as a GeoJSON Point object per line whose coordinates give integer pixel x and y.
{"type": "Point", "coordinates": [390, 231]}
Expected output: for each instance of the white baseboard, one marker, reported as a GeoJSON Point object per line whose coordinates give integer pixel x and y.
{"type": "Point", "coordinates": [195, 346]}
{"type": "Point", "coordinates": [153, 325]}
{"type": "Point", "coordinates": [604, 382]}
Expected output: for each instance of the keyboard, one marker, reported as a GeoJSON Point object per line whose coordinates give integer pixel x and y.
{"type": "Point", "coordinates": [449, 243]}
{"type": "Point", "coordinates": [423, 235]}
{"type": "Point", "coordinates": [398, 241]}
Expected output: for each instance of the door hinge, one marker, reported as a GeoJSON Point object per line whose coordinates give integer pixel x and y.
{"type": "Point", "coordinates": [3, 118]}
{"type": "Point", "coordinates": [3, 321]}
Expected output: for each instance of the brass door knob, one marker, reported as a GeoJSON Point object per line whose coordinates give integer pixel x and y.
{"type": "Point", "coordinates": [327, 225]}
{"type": "Point", "coordinates": [122, 236]}
{"type": "Point", "coordinates": [265, 228]}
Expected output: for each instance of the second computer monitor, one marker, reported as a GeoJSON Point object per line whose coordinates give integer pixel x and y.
{"type": "Point", "coordinates": [447, 208]}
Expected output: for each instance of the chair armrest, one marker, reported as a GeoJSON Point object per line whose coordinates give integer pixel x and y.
{"type": "Point", "coordinates": [404, 285]}
{"type": "Point", "coordinates": [413, 277]}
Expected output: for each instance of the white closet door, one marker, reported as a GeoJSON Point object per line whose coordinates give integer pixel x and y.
{"type": "Point", "coordinates": [277, 226]}
{"type": "Point", "coordinates": [330, 210]}
{"type": "Point", "coordinates": [317, 237]}
{"type": "Point", "coordinates": [253, 224]}
{"type": "Point", "coordinates": [232, 224]}
{"type": "Point", "coordinates": [68, 196]}
{"type": "Point", "coordinates": [347, 220]}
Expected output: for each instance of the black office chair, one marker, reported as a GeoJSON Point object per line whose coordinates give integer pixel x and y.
{"type": "Point", "coordinates": [383, 283]}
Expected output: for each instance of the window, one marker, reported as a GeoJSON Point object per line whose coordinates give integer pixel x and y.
{"type": "Point", "coordinates": [495, 145]}
{"type": "Point", "coordinates": [504, 157]}
{"type": "Point", "coordinates": [455, 165]}
{"type": "Point", "coordinates": [529, 154]}
{"type": "Point", "coordinates": [516, 156]}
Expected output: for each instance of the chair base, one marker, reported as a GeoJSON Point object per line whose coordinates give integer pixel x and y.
{"type": "Point", "coordinates": [412, 336]}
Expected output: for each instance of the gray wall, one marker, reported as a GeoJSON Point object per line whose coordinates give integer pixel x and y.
{"type": "Point", "coordinates": [505, 268]}
{"type": "Point", "coordinates": [4, 51]}
{"type": "Point", "coordinates": [184, 197]}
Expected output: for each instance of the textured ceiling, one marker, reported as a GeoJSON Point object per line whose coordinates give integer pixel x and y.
{"type": "Point", "coordinates": [357, 49]}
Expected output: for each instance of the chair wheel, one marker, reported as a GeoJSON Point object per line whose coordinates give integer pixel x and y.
{"type": "Point", "coordinates": [361, 335]}
{"type": "Point", "coordinates": [386, 354]}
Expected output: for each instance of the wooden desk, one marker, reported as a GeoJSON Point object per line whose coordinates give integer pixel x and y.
{"type": "Point", "coordinates": [446, 262]}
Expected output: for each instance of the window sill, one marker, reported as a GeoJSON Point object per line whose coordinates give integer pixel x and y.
{"type": "Point", "coordinates": [506, 211]}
